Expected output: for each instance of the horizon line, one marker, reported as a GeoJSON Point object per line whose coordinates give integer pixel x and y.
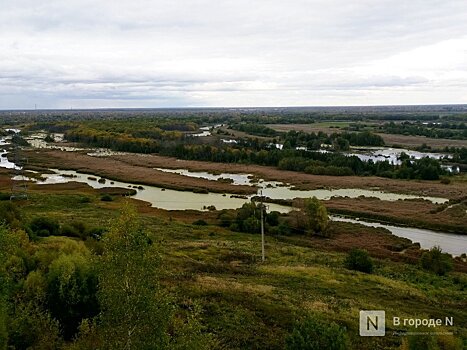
{"type": "Point", "coordinates": [230, 107]}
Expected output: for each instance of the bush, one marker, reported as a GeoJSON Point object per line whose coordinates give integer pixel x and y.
{"type": "Point", "coordinates": [106, 198]}
{"type": "Point", "coordinates": [437, 261]}
{"type": "Point", "coordinates": [49, 138]}
{"type": "Point", "coordinates": [69, 231]}
{"type": "Point", "coordinates": [9, 214]}
{"type": "Point", "coordinates": [43, 226]}
{"type": "Point", "coordinates": [272, 218]}
{"type": "Point", "coordinates": [4, 196]}
{"type": "Point", "coordinates": [225, 218]}
{"type": "Point", "coordinates": [430, 342]}
{"type": "Point", "coordinates": [315, 334]}
{"type": "Point", "coordinates": [359, 260]}
{"type": "Point", "coordinates": [84, 199]}
{"type": "Point", "coordinates": [75, 229]}
{"type": "Point", "coordinates": [96, 232]}
{"type": "Point", "coordinates": [445, 180]}
{"type": "Point", "coordinates": [200, 222]}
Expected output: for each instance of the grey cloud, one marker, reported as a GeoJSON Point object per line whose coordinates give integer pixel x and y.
{"type": "Point", "coordinates": [206, 52]}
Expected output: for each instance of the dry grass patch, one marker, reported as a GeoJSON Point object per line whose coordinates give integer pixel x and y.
{"type": "Point", "coordinates": [226, 284]}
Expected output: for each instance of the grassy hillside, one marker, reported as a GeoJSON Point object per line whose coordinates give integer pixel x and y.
{"type": "Point", "coordinates": [246, 304]}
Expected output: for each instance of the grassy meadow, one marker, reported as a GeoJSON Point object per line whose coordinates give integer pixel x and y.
{"type": "Point", "coordinates": [244, 303]}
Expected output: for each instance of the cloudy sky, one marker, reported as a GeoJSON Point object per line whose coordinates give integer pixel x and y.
{"type": "Point", "coordinates": [177, 53]}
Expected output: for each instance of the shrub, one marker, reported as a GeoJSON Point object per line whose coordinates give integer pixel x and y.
{"type": "Point", "coordinates": [4, 196]}
{"type": "Point", "coordinates": [96, 232]}
{"type": "Point", "coordinates": [430, 342]}
{"type": "Point", "coordinates": [200, 222]}
{"type": "Point", "coordinates": [84, 199]}
{"type": "Point", "coordinates": [79, 225]}
{"type": "Point", "coordinates": [44, 226]}
{"type": "Point", "coordinates": [49, 138]}
{"type": "Point", "coordinates": [9, 214]}
{"type": "Point", "coordinates": [106, 198]}
{"type": "Point", "coordinates": [445, 180]}
{"type": "Point", "coordinates": [359, 260]}
{"type": "Point", "coordinates": [437, 261]}
{"type": "Point", "coordinates": [225, 218]}
{"type": "Point", "coordinates": [75, 229]}
{"type": "Point", "coordinates": [315, 334]}
{"type": "Point", "coordinates": [69, 231]}
{"type": "Point", "coordinates": [282, 229]}
{"type": "Point", "coordinates": [272, 218]}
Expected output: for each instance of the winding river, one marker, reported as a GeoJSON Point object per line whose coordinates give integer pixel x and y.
{"type": "Point", "coordinates": [182, 200]}
{"type": "Point", "coordinates": [451, 243]}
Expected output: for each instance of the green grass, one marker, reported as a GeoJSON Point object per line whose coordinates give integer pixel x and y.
{"type": "Point", "coordinates": [332, 124]}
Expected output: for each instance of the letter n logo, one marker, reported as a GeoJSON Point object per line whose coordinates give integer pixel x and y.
{"type": "Point", "coordinates": [372, 323]}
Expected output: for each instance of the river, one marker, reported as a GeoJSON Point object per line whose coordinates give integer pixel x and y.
{"type": "Point", "coordinates": [182, 200]}
{"type": "Point", "coordinates": [454, 244]}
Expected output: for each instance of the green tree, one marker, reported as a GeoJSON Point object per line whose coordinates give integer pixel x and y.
{"type": "Point", "coordinates": [341, 144]}
{"type": "Point", "coordinates": [71, 292]}
{"type": "Point", "coordinates": [9, 215]}
{"type": "Point", "coordinates": [317, 216]}
{"type": "Point", "coordinates": [437, 261]}
{"type": "Point", "coordinates": [135, 311]}
{"type": "Point", "coordinates": [4, 287]}
{"type": "Point", "coordinates": [31, 327]}
{"type": "Point", "coordinates": [12, 270]}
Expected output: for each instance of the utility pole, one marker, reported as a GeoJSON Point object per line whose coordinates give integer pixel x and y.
{"type": "Point", "coordinates": [262, 227]}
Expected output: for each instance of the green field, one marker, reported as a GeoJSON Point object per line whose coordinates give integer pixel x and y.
{"type": "Point", "coordinates": [243, 303]}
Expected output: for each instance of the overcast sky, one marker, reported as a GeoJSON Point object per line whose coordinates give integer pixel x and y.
{"type": "Point", "coordinates": [178, 53]}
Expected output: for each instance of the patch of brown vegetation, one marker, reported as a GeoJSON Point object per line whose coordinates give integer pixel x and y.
{"type": "Point", "coordinates": [379, 243]}
{"type": "Point", "coordinates": [309, 128]}
{"type": "Point", "coordinates": [414, 141]}
{"type": "Point", "coordinates": [417, 213]}
{"type": "Point", "coordinates": [116, 169]}
{"type": "Point", "coordinates": [302, 180]}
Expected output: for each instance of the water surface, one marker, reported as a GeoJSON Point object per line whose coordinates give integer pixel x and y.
{"type": "Point", "coordinates": [454, 244]}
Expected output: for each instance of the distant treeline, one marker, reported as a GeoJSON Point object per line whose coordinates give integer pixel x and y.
{"type": "Point", "coordinates": [433, 130]}
{"type": "Point", "coordinates": [300, 151]}
{"type": "Point", "coordinates": [252, 115]}
{"type": "Point", "coordinates": [292, 139]}
{"type": "Point", "coordinates": [260, 152]}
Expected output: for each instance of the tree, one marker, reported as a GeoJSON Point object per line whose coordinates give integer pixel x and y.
{"type": "Point", "coordinates": [317, 216]}
{"type": "Point", "coordinates": [341, 144]}
{"type": "Point", "coordinates": [437, 261]}
{"type": "Point", "coordinates": [31, 327]}
{"type": "Point", "coordinates": [135, 310]}
{"type": "Point", "coordinates": [12, 270]}
{"type": "Point", "coordinates": [4, 286]}
{"type": "Point", "coordinates": [71, 294]}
